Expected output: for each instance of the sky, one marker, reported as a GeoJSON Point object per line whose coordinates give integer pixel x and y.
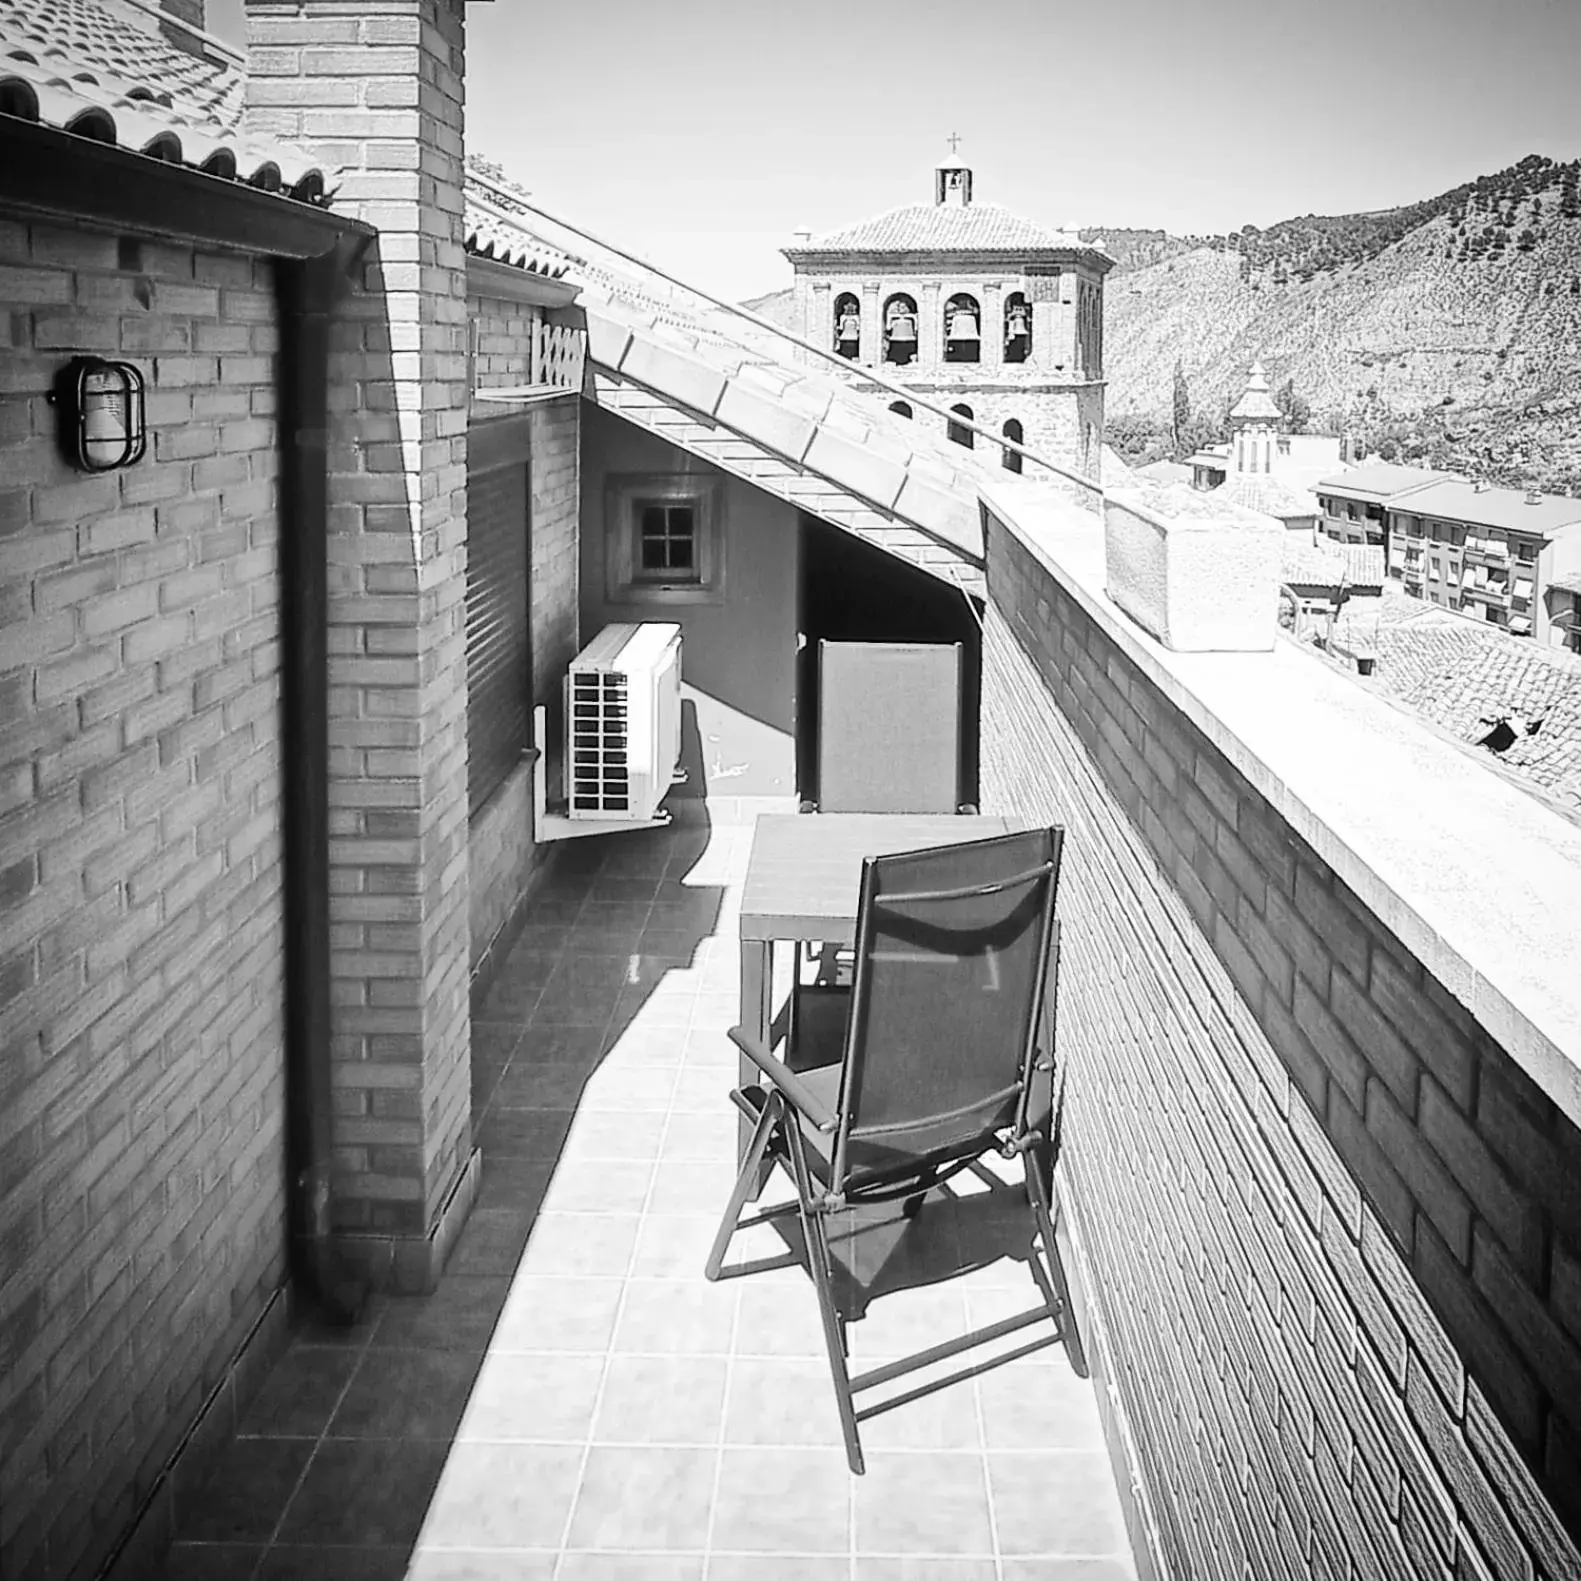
{"type": "Point", "coordinates": [702, 133]}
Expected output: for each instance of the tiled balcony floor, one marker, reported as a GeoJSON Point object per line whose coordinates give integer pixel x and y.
{"type": "Point", "coordinates": [577, 1401]}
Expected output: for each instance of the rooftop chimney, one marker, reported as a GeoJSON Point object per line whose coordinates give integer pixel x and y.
{"type": "Point", "coordinates": [1480, 486]}
{"type": "Point", "coordinates": [1534, 496]}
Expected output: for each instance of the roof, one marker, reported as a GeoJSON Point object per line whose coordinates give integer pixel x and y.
{"type": "Point", "coordinates": [1256, 404]}
{"type": "Point", "coordinates": [944, 227]}
{"type": "Point", "coordinates": [1260, 491]}
{"type": "Point", "coordinates": [1112, 466]}
{"type": "Point", "coordinates": [706, 378]}
{"type": "Point", "coordinates": [1379, 480]}
{"type": "Point", "coordinates": [107, 72]}
{"type": "Point", "coordinates": [1466, 676]}
{"type": "Point", "coordinates": [1332, 565]}
{"type": "Point", "coordinates": [491, 231]}
{"type": "Point", "coordinates": [1491, 507]}
{"type": "Point", "coordinates": [1164, 472]}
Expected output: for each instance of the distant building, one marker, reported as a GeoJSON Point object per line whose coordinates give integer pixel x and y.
{"type": "Point", "coordinates": [1322, 579]}
{"type": "Point", "coordinates": [994, 315]}
{"type": "Point", "coordinates": [1512, 558]}
{"type": "Point", "coordinates": [1284, 466]}
{"type": "Point", "coordinates": [1354, 503]}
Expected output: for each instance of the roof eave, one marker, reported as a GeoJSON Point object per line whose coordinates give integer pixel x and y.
{"type": "Point", "coordinates": [57, 175]}
{"type": "Point", "coordinates": [923, 256]}
{"type": "Point", "coordinates": [510, 283]}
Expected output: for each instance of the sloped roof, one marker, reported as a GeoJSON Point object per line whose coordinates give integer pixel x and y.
{"type": "Point", "coordinates": [813, 437]}
{"type": "Point", "coordinates": [1466, 676]}
{"type": "Point", "coordinates": [1491, 507]}
{"type": "Point", "coordinates": [1256, 404]}
{"type": "Point", "coordinates": [1164, 472]}
{"type": "Point", "coordinates": [1259, 491]}
{"type": "Point", "coordinates": [80, 66]}
{"type": "Point", "coordinates": [943, 227]}
{"type": "Point", "coordinates": [1379, 480]}
{"type": "Point", "coordinates": [492, 232]}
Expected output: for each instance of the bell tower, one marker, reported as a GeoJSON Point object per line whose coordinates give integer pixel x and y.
{"type": "Point", "coordinates": [952, 177]}
{"type": "Point", "coordinates": [1255, 420]}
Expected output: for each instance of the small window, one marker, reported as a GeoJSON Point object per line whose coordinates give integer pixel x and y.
{"type": "Point", "coordinates": [900, 408]}
{"type": "Point", "coordinates": [847, 325]}
{"type": "Point", "coordinates": [1012, 430]}
{"type": "Point", "coordinates": [963, 333]}
{"type": "Point", "coordinates": [1526, 549]}
{"type": "Point", "coordinates": [959, 434]}
{"type": "Point", "coordinates": [664, 540]}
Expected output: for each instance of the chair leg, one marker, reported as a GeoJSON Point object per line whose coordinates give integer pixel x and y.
{"type": "Point", "coordinates": [749, 1183]}
{"type": "Point", "coordinates": [819, 1264]}
{"type": "Point", "coordinates": [1042, 1211]}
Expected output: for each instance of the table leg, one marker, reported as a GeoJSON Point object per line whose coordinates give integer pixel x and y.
{"type": "Point", "coordinates": [757, 975]}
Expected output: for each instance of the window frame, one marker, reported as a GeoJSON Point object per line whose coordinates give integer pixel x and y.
{"type": "Point", "coordinates": [625, 497]}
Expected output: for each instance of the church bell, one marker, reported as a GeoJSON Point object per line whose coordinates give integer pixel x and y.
{"type": "Point", "coordinates": [963, 325]}
{"type": "Point", "coordinates": [850, 328]}
{"type": "Point", "coordinates": [1016, 325]}
{"type": "Point", "coordinates": [903, 327]}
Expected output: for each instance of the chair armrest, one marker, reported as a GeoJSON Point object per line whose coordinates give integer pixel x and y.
{"type": "Point", "coordinates": [806, 1101]}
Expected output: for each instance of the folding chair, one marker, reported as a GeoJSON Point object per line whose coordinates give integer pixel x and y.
{"type": "Point", "coordinates": [945, 1054]}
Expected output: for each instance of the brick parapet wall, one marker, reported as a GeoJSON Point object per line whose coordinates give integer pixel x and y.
{"type": "Point", "coordinates": [377, 88]}
{"type": "Point", "coordinates": [142, 1201]}
{"type": "Point", "coordinates": [1332, 1225]}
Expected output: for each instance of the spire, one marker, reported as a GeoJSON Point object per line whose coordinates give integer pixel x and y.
{"type": "Point", "coordinates": [1256, 405]}
{"type": "Point", "coordinates": [952, 176]}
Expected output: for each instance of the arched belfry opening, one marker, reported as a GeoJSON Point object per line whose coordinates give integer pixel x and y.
{"type": "Point", "coordinates": [848, 325]}
{"type": "Point", "coordinates": [1018, 327]}
{"type": "Point", "coordinates": [963, 334]}
{"type": "Point", "coordinates": [901, 408]}
{"type": "Point", "coordinates": [1013, 431]}
{"type": "Point", "coordinates": [900, 329]}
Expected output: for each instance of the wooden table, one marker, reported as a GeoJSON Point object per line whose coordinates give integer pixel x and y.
{"type": "Point", "coordinates": [804, 878]}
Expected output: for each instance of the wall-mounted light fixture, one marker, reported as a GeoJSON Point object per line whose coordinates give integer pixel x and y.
{"type": "Point", "coordinates": [101, 414]}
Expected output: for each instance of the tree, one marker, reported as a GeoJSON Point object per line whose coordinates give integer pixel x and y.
{"type": "Point", "coordinates": [1181, 415]}
{"type": "Point", "coordinates": [1297, 411]}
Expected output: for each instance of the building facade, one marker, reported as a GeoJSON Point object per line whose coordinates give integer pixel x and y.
{"type": "Point", "coordinates": [972, 305]}
{"type": "Point", "coordinates": [1355, 504]}
{"type": "Point", "coordinates": [1502, 555]}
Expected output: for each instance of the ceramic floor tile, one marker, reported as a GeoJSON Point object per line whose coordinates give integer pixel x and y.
{"type": "Point", "coordinates": [782, 1402]}
{"type": "Point", "coordinates": [533, 1398]}
{"type": "Point", "coordinates": [580, 1243]}
{"type": "Point", "coordinates": [631, 1567]}
{"type": "Point", "coordinates": [503, 1496]}
{"type": "Point", "coordinates": [491, 1241]}
{"type": "Point", "coordinates": [871, 1568]}
{"type": "Point", "coordinates": [297, 1562]}
{"type": "Point", "coordinates": [673, 1246]}
{"type": "Point", "coordinates": [362, 1493]}
{"type": "Point", "coordinates": [630, 1089]}
{"type": "Point", "coordinates": [598, 1185]}
{"type": "Point", "coordinates": [789, 1501]}
{"type": "Point", "coordinates": [212, 1561]}
{"type": "Point", "coordinates": [1057, 1569]}
{"type": "Point", "coordinates": [675, 1316]}
{"type": "Point", "coordinates": [245, 1495]}
{"type": "Point", "coordinates": [459, 1315]}
{"type": "Point", "coordinates": [661, 1400]}
{"type": "Point", "coordinates": [558, 1312]}
{"type": "Point", "coordinates": [1042, 1408]}
{"type": "Point", "coordinates": [776, 1567]}
{"type": "Point", "coordinates": [456, 1564]}
{"type": "Point", "coordinates": [530, 1087]}
{"type": "Point", "coordinates": [704, 1138]}
{"type": "Point", "coordinates": [779, 1318]}
{"type": "Point", "coordinates": [943, 1418]}
{"type": "Point", "coordinates": [906, 1321]}
{"type": "Point", "coordinates": [301, 1392]}
{"type": "Point", "coordinates": [923, 1502]}
{"type": "Point", "coordinates": [513, 1182]}
{"type": "Point", "coordinates": [525, 1132]}
{"type": "Point", "coordinates": [630, 1137]}
{"type": "Point", "coordinates": [644, 1498]}
{"type": "Point", "coordinates": [406, 1394]}
{"type": "Point", "coordinates": [1059, 1503]}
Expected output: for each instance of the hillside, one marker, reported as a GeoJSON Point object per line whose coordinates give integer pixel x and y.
{"type": "Point", "coordinates": [1454, 322]}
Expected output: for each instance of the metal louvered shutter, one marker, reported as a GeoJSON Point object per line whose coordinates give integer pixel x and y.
{"type": "Point", "coordinates": [499, 685]}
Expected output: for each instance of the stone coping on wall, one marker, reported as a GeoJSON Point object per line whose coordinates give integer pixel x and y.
{"type": "Point", "coordinates": [1481, 882]}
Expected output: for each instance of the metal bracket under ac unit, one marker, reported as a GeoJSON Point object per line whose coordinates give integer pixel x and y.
{"type": "Point", "coordinates": [548, 826]}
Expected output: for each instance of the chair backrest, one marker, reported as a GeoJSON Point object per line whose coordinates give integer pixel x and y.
{"type": "Point", "coordinates": [952, 954]}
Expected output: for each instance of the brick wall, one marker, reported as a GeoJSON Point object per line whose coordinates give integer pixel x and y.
{"type": "Point", "coordinates": [501, 855]}
{"type": "Point", "coordinates": [141, 1076]}
{"type": "Point", "coordinates": [1332, 1230]}
{"type": "Point", "coordinates": [377, 89]}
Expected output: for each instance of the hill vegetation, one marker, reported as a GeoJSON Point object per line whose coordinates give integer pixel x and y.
{"type": "Point", "coordinates": [1447, 331]}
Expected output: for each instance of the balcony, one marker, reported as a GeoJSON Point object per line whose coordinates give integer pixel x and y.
{"type": "Point", "coordinates": [1487, 551]}
{"type": "Point", "coordinates": [1486, 592]}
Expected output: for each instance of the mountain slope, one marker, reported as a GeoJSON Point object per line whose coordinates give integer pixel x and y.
{"type": "Point", "coordinates": [1465, 308]}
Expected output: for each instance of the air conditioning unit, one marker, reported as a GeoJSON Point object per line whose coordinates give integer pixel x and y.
{"type": "Point", "coordinates": [623, 724]}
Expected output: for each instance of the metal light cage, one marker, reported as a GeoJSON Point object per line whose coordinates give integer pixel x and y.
{"type": "Point", "coordinates": [103, 413]}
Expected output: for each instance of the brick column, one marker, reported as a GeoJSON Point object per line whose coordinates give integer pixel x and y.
{"type": "Point", "coordinates": [1050, 353]}
{"type": "Point", "coordinates": [378, 90]}
{"type": "Point", "coordinates": [930, 329]}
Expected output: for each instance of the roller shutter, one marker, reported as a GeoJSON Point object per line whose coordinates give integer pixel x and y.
{"type": "Point", "coordinates": [499, 683]}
